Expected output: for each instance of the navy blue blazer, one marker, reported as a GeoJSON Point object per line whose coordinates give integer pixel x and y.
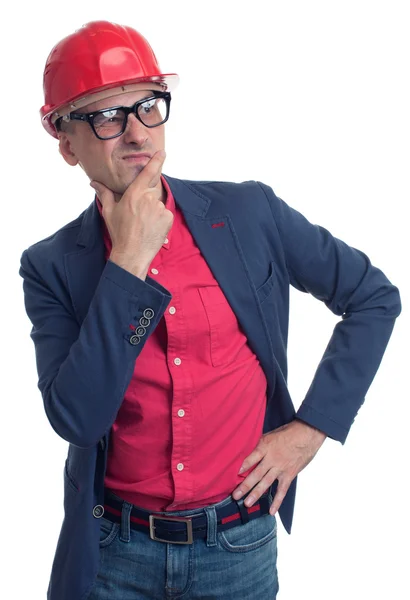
{"type": "Point", "coordinates": [81, 308]}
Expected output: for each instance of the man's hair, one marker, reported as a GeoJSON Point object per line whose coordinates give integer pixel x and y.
{"type": "Point", "coordinates": [63, 126]}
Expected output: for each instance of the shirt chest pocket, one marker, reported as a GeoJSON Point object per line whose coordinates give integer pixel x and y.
{"type": "Point", "coordinates": [224, 332]}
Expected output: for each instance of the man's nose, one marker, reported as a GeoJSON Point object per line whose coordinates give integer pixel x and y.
{"type": "Point", "coordinates": [135, 131]}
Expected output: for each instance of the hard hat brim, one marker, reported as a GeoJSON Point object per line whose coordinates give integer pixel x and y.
{"type": "Point", "coordinates": [168, 81]}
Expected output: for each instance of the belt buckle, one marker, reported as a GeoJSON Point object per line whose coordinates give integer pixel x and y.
{"type": "Point", "coordinates": [186, 520]}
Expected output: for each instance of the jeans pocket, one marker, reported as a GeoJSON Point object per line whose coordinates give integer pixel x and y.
{"type": "Point", "coordinates": [254, 534]}
{"type": "Point", "coordinates": [108, 532]}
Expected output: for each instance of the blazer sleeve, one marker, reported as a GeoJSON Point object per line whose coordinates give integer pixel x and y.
{"type": "Point", "coordinates": [351, 287]}
{"type": "Point", "coordinates": [84, 370]}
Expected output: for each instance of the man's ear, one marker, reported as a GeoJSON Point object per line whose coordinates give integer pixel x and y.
{"type": "Point", "coordinates": [66, 150]}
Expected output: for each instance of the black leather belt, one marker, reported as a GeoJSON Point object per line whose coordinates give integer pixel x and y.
{"type": "Point", "coordinates": [184, 530]}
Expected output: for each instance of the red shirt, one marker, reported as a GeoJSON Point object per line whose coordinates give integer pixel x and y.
{"type": "Point", "coordinates": [195, 406]}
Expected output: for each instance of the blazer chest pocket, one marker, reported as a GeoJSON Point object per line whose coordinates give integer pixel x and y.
{"type": "Point", "coordinates": [266, 288]}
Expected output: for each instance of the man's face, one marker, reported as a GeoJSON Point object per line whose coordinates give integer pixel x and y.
{"type": "Point", "coordinates": [115, 162]}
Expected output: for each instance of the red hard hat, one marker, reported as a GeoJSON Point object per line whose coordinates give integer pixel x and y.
{"type": "Point", "coordinates": [99, 56]}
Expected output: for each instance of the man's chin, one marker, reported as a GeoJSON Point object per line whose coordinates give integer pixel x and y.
{"type": "Point", "coordinates": [132, 171]}
{"type": "Point", "coordinates": [122, 183]}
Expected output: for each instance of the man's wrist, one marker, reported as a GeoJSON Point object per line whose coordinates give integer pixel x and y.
{"type": "Point", "coordinates": [138, 270]}
{"type": "Point", "coordinates": [315, 432]}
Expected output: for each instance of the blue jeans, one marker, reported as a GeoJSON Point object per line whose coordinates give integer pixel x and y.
{"type": "Point", "coordinates": [239, 563]}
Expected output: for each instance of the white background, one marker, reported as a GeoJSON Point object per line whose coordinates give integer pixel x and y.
{"type": "Point", "coordinates": [313, 99]}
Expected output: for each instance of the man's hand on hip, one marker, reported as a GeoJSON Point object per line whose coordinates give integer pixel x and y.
{"type": "Point", "coordinates": [280, 454]}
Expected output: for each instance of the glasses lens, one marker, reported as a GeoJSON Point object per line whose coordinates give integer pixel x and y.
{"type": "Point", "coordinates": [153, 111]}
{"type": "Point", "coordinates": [109, 123]}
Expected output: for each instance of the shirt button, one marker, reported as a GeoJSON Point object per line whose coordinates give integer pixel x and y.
{"type": "Point", "coordinates": [154, 271]}
{"type": "Point", "coordinates": [180, 466]}
{"type": "Point", "coordinates": [181, 412]}
{"type": "Point", "coordinates": [166, 241]}
{"type": "Point", "coordinates": [177, 361]}
{"type": "Point", "coordinates": [172, 310]}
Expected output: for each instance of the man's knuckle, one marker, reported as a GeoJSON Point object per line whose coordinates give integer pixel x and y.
{"type": "Point", "coordinates": [270, 477]}
{"type": "Point", "coordinates": [150, 194]}
{"type": "Point", "coordinates": [261, 487]}
{"type": "Point", "coordinates": [259, 472]}
{"type": "Point", "coordinates": [259, 453]}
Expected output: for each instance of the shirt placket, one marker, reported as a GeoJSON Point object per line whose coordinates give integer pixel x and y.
{"type": "Point", "coordinates": [181, 410]}
{"type": "Point", "coordinates": [161, 269]}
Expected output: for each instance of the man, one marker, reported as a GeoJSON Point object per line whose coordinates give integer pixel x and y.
{"type": "Point", "coordinates": [160, 327]}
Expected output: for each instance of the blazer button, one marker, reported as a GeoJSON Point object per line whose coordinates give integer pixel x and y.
{"type": "Point", "coordinates": [98, 511]}
{"type": "Point", "coordinates": [134, 340]}
{"type": "Point", "coordinates": [148, 313]}
{"type": "Point", "coordinates": [144, 322]}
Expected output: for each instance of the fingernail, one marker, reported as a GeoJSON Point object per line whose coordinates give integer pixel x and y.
{"type": "Point", "coordinates": [238, 494]}
{"type": "Point", "coordinates": [241, 470]}
{"type": "Point", "coordinates": [249, 500]}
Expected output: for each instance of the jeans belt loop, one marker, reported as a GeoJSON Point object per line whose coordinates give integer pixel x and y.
{"type": "Point", "coordinates": [212, 526]}
{"type": "Point", "coordinates": [125, 534]}
{"type": "Point", "coordinates": [243, 510]}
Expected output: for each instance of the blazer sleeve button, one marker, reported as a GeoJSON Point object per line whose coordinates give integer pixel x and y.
{"type": "Point", "coordinates": [148, 313]}
{"type": "Point", "coordinates": [135, 339]}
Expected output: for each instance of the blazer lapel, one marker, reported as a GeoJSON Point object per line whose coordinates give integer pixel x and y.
{"type": "Point", "coordinates": [85, 265]}
{"type": "Point", "coordinates": [215, 236]}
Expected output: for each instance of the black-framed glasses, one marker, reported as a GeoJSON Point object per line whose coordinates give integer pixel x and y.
{"type": "Point", "coordinates": [111, 122]}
